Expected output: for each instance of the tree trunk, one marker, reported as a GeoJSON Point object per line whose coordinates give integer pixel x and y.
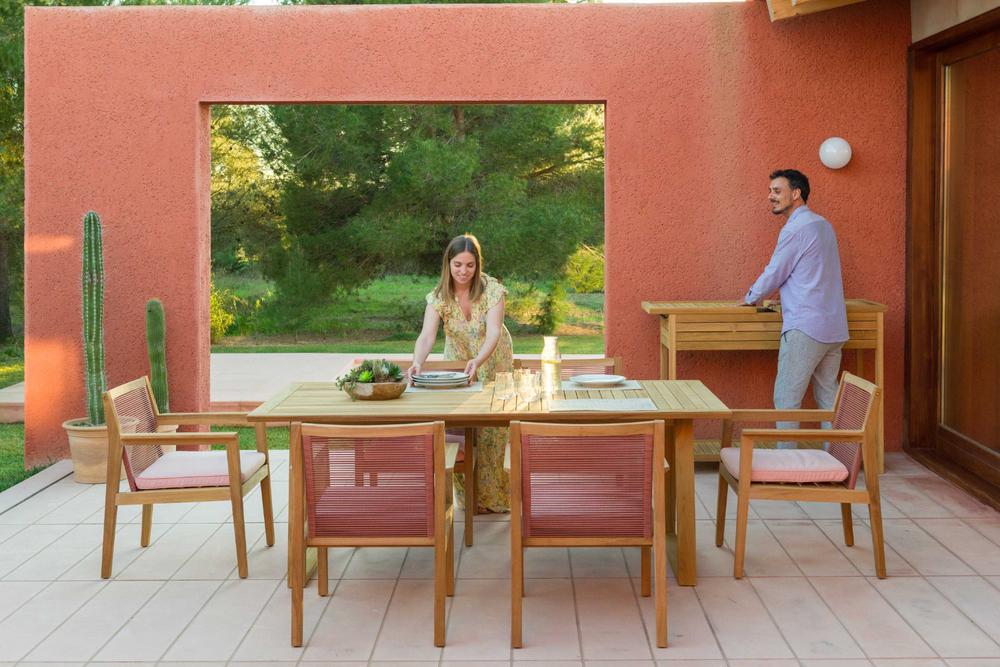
{"type": "Point", "coordinates": [6, 331]}
{"type": "Point", "coordinates": [460, 123]}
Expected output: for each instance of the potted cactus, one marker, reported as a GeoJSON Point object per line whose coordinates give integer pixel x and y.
{"type": "Point", "coordinates": [156, 335]}
{"type": "Point", "coordinates": [88, 438]}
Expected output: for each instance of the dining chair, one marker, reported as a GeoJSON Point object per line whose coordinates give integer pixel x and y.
{"type": "Point", "coordinates": [371, 486]}
{"type": "Point", "coordinates": [588, 485]}
{"type": "Point", "coordinates": [571, 367]}
{"type": "Point", "coordinates": [813, 475]}
{"type": "Point", "coordinates": [158, 476]}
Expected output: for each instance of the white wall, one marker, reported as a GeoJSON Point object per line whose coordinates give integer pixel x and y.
{"type": "Point", "coordinates": [928, 17]}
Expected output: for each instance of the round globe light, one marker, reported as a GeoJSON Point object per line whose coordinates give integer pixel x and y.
{"type": "Point", "coordinates": [835, 152]}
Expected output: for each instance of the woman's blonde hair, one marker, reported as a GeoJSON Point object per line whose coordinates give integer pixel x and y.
{"type": "Point", "coordinates": [445, 288]}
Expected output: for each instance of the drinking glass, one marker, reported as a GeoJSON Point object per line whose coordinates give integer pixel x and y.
{"type": "Point", "coordinates": [505, 386]}
{"type": "Point", "coordinates": [527, 383]}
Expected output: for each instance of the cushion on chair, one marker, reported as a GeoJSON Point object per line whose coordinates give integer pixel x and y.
{"type": "Point", "coordinates": [460, 439]}
{"type": "Point", "coordinates": [178, 470]}
{"type": "Point", "coordinates": [786, 465]}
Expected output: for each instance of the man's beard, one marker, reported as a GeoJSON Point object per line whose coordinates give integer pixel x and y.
{"type": "Point", "coordinates": [779, 211]}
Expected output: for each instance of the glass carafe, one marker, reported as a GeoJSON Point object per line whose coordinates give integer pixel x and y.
{"type": "Point", "coordinates": [551, 367]}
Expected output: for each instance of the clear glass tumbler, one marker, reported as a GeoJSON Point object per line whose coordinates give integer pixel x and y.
{"type": "Point", "coordinates": [505, 386]}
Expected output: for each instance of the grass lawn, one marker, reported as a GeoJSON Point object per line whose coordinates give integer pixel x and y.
{"type": "Point", "coordinates": [12, 456]}
{"type": "Point", "coordinates": [277, 437]}
{"type": "Point", "coordinates": [522, 345]}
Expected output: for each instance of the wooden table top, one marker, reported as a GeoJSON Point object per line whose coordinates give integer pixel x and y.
{"type": "Point", "coordinates": [728, 308]}
{"type": "Point", "coordinates": [324, 402]}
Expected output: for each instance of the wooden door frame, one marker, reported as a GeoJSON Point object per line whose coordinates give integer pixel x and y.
{"type": "Point", "coordinates": [976, 471]}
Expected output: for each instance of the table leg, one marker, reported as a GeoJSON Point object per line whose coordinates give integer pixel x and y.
{"type": "Point", "coordinates": [681, 545]}
{"type": "Point", "coordinates": [672, 337]}
{"type": "Point", "coordinates": [880, 381]}
{"type": "Point", "coordinates": [670, 488]}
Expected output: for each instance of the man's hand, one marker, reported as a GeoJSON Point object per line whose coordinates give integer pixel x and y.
{"type": "Point", "coordinates": [743, 302]}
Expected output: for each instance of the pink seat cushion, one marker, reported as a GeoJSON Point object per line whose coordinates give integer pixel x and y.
{"type": "Point", "coordinates": [460, 439]}
{"type": "Point", "coordinates": [178, 470]}
{"type": "Point", "coordinates": [786, 465]}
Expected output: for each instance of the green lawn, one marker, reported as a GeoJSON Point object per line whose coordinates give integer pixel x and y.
{"type": "Point", "coordinates": [522, 345]}
{"type": "Point", "coordinates": [277, 437]}
{"type": "Point", "coordinates": [12, 456]}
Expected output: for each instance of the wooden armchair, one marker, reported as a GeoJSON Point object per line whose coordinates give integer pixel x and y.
{"type": "Point", "coordinates": [154, 477]}
{"type": "Point", "coordinates": [806, 474]}
{"type": "Point", "coordinates": [356, 486]}
{"type": "Point", "coordinates": [588, 485]}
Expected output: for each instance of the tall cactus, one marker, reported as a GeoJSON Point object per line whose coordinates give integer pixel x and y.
{"type": "Point", "coordinates": [93, 316]}
{"type": "Point", "coordinates": [156, 332]}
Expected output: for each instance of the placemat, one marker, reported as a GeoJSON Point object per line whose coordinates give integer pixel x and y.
{"type": "Point", "coordinates": [602, 405]}
{"type": "Point", "coordinates": [476, 386]}
{"type": "Point", "coordinates": [569, 385]}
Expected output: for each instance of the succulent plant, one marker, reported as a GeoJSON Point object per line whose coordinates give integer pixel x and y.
{"type": "Point", "coordinates": [370, 371]}
{"type": "Point", "coordinates": [93, 317]}
{"type": "Point", "coordinates": [156, 332]}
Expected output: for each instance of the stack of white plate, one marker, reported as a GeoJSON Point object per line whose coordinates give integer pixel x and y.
{"type": "Point", "coordinates": [441, 380]}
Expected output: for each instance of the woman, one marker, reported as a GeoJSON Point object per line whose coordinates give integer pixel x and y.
{"type": "Point", "coordinates": [471, 304]}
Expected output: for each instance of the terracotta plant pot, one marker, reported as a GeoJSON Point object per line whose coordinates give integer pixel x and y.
{"type": "Point", "coordinates": [377, 391]}
{"type": "Point", "coordinates": [88, 445]}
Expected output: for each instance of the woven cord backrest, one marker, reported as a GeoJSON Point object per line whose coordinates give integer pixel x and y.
{"type": "Point", "coordinates": [852, 411]}
{"type": "Point", "coordinates": [588, 369]}
{"type": "Point", "coordinates": [586, 486]}
{"type": "Point", "coordinates": [372, 487]}
{"type": "Point", "coordinates": [135, 415]}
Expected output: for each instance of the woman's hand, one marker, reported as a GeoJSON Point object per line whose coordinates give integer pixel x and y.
{"type": "Point", "coordinates": [470, 369]}
{"type": "Point", "coordinates": [413, 371]}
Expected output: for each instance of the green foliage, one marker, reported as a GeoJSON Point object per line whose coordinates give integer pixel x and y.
{"type": "Point", "coordinates": [370, 370]}
{"type": "Point", "coordinates": [156, 334]}
{"type": "Point", "coordinates": [11, 364]}
{"type": "Point", "coordinates": [221, 318]}
{"type": "Point", "coordinates": [551, 310]}
{"type": "Point", "coordinates": [585, 270]}
{"type": "Point", "coordinates": [12, 456]}
{"type": "Point", "coordinates": [93, 317]}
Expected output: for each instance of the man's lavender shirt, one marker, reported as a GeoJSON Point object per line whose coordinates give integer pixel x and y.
{"type": "Point", "coordinates": [805, 268]}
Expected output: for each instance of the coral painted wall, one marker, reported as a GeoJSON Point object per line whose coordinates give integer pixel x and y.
{"type": "Point", "coordinates": [702, 102]}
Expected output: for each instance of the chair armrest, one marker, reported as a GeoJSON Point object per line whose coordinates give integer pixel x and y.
{"type": "Point", "coordinates": [215, 438]}
{"type": "Point", "coordinates": [782, 415]}
{"type": "Point", "coordinates": [450, 454]}
{"type": "Point", "coordinates": [802, 435]}
{"type": "Point", "coordinates": [203, 418]}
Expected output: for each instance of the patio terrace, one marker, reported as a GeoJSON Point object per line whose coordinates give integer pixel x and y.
{"type": "Point", "coordinates": [807, 600]}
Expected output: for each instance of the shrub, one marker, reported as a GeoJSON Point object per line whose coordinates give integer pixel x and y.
{"type": "Point", "coordinates": [585, 270]}
{"type": "Point", "coordinates": [221, 318]}
{"type": "Point", "coordinates": [551, 310]}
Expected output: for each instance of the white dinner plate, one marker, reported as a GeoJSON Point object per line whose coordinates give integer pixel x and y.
{"type": "Point", "coordinates": [442, 375]}
{"type": "Point", "coordinates": [420, 380]}
{"type": "Point", "coordinates": [598, 380]}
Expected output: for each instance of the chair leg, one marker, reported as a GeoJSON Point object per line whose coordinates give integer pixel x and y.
{"type": "Point", "coordinates": [646, 560]}
{"type": "Point", "coordinates": [720, 511]}
{"type": "Point", "coordinates": [450, 561]}
{"type": "Point", "coordinates": [322, 571]}
{"type": "Point", "coordinates": [147, 524]}
{"type": "Point", "coordinates": [845, 513]}
{"type": "Point", "coordinates": [265, 496]}
{"type": "Point", "coordinates": [470, 500]}
{"type": "Point", "coordinates": [878, 546]}
{"type": "Point", "coordinates": [516, 592]}
{"type": "Point", "coordinates": [110, 524]}
{"type": "Point", "coordinates": [742, 514]}
{"type": "Point", "coordinates": [239, 527]}
{"type": "Point", "coordinates": [440, 589]}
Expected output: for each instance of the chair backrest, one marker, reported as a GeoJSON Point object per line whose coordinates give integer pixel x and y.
{"type": "Point", "coordinates": [571, 367]}
{"type": "Point", "coordinates": [592, 480]}
{"type": "Point", "coordinates": [131, 409]}
{"type": "Point", "coordinates": [371, 481]}
{"type": "Point", "coordinates": [855, 410]}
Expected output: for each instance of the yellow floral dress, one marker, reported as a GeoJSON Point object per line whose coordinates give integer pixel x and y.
{"type": "Point", "coordinates": [463, 340]}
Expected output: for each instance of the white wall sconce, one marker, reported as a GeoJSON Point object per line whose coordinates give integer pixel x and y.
{"type": "Point", "coordinates": [835, 152]}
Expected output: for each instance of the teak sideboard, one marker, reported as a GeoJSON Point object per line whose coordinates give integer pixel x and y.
{"type": "Point", "coordinates": [690, 326]}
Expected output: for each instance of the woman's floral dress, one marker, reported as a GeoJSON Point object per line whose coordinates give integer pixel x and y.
{"type": "Point", "coordinates": [463, 340]}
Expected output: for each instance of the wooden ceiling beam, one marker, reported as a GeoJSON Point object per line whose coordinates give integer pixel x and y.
{"type": "Point", "coordinates": [786, 9]}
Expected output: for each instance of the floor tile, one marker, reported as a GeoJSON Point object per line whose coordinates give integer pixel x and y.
{"type": "Point", "coordinates": [611, 626]}
{"type": "Point", "coordinates": [408, 627]}
{"type": "Point", "coordinates": [479, 620]}
{"type": "Point", "coordinates": [151, 631]}
{"type": "Point", "coordinates": [57, 558]}
{"type": "Point", "coordinates": [13, 594]}
{"type": "Point", "coordinates": [921, 550]}
{"type": "Point", "coordinates": [40, 504]}
{"type": "Point", "coordinates": [972, 547]}
{"type": "Point", "coordinates": [599, 562]}
{"type": "Point", "coordinates": [97, 621]}
{"type": "Point", "coordinates": [162, 558]}
{"type": "Point", "coordinates": [812, 550]}
{"type": "Point", "coordinates": [939, 622]}
{"type": "Point", "coordinates": [9, 530]}
{"type": "Point", "coordinates": [26, 543]}
{"type": "Point", "coordinates": [872, 622]}
{"type": "Point", "coordinates": [689, 634]}
{"type": "Point", "coordinates": [489, 557]}
{"type": "Point", "coordinates": [764, 556]}
{"type": "Point", "coordinates": [900, 463]}
{"type": "Point", "coordinates": [83, 505]}
{"type": "Point", "coordinates": [691, 663]}
{"type": "Point", "coordinates": [31, 623]}
{"type": "Point", "coordinates": [419, 562]}
{"type": "Point", "coordinates": [127, 549]}
{"type": "Point", "coordinates": [218, 629]}
{"type": "Point", "coordinates": [216, 558]}
{"type": "Point", "coordinates": [349, 625]}
{"type": "Point", "coordinates": [549, 630]}
{"type": "Point", "coordinates": [910, 500]}
{"type": "Point", "coordinates": [909, 663]}
{"type": "Point", "coordinates": [862, 554]}
{"type": "Point", "coordinates": [988, 527]}
{"type": "Point", "coordinates": [976, 598]}
{"type": "Point", "coordinates": [740, 620]}
{"type": "Point", "coordinates": [857, 662]}
{"type": "Point", "coordinates": [269, 636]}
{"type": "Point", "coordinates": [376, 563]}
{"type": "Point", "coordinates": [952, 498]}
{"type": "Point", "coordinates": [805, 620]}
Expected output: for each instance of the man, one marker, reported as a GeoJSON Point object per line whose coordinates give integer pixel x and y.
{"type": "Point", "coordinates": [805, 269]}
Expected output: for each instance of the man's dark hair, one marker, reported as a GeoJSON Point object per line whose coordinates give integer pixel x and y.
{"type": "Point", "coordinates": [796, 181]}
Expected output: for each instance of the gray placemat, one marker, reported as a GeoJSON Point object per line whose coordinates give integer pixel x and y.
{"type": "Point", "coordinates": [602, 405]}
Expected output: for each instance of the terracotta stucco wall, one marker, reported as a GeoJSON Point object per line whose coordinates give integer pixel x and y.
{"type": "Point", "coordinates": [702, 102]}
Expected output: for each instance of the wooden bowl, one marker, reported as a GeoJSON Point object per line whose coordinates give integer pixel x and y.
{"type": "Point", "coordinates": [377, 391]}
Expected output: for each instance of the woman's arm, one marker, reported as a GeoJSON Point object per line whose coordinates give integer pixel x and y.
{"type": "Point", "coordinates": [494, 325]}
{"type": "Point", "coordinates": [425, 341]}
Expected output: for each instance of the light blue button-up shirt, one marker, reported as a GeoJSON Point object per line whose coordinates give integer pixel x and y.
{"type": "Point", "coordinates": [805, 269]}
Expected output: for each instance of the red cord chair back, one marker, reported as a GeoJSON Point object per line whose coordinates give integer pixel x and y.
{"type": "Point", "coordinates": [134, 413]}
{"type": "Point", "coordinates": [572, 367]}
{"type": "Point", "coordinates": [586, 486]}
{"type": "Point", "coordinates": [379, 486]}
{"type": "Point", "coordinates": [853, 409]}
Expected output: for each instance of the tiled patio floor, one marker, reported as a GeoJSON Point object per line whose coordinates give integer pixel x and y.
{"type": "Point", "coordinates": [808, 600]}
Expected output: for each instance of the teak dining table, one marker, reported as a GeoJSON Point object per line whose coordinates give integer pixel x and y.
{"type": "Point", "coordinates": [678, 403]}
